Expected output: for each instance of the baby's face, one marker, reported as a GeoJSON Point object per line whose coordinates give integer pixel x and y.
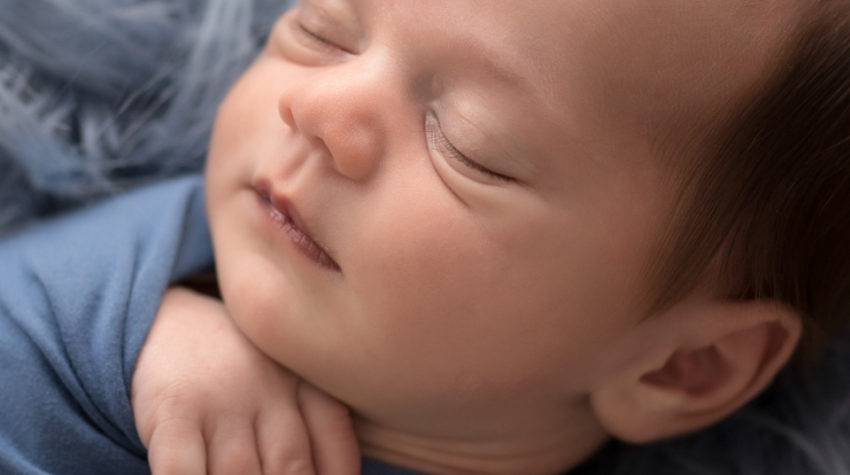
{"type": "Point", "coordinates": [441, 211]}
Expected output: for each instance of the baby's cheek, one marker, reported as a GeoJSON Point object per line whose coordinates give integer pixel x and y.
{"type": "Point", "coordinates": [429, 245]}
{"type": "Point", "coordinates": [423, 270]}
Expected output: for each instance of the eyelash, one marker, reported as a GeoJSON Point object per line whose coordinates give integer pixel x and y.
{"type": "Point", "coordinates": [438, 140]}
{"type": "Point", "coordinates": [315, 41]}
{"type": "Point", "coordinates": [312, 36]}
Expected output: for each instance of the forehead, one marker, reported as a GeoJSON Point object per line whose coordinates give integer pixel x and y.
{"type": "Point", "coordinates": [667, 50]}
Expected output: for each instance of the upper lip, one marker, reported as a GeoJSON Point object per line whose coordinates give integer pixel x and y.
{"type": "Point", "coordinates": [285, 206]}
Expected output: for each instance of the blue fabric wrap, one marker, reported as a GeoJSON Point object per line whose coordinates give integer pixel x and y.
{"type": "Point", "coordinates": [77, 297]}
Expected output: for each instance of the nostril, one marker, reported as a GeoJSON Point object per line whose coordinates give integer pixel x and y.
{"type": "Point", "coordinates": [284, 109]}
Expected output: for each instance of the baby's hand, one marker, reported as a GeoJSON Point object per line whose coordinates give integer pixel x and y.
{"type": "Point", "coordinates": [206, 400]}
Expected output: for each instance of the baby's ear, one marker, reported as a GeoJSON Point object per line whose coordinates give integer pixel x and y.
{"type": "Point", "coordinates": [705, 361]}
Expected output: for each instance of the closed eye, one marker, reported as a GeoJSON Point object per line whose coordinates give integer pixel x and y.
{"type": "Point", "coordinates": [313, 35]}
{"type": "Point", "coordinates": [438, 141]}
{"type": "Point", "coordinates": [314, 40]}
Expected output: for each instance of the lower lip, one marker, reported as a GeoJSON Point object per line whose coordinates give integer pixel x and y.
{"type": "Point", "coordinates": [287, 229]}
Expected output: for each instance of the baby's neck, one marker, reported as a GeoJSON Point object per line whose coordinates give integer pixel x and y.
{"type": "Point", "coordinates": [549, 453]}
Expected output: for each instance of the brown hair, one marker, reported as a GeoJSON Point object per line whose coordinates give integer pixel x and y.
{"type": "Point", "coordinates": [771, 205]}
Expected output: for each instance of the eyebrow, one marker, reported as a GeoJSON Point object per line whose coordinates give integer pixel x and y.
{"type": "Point", "coordinates": [497, 68]}
{"type": "Point", "coordinates": [345, 10]}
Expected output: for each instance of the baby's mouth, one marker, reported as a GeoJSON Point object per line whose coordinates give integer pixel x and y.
{"type": "Point", "coordinates": [285, 218]}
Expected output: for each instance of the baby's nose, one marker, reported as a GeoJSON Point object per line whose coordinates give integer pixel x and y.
{"type": "Point", "coordinates": [340, 107]}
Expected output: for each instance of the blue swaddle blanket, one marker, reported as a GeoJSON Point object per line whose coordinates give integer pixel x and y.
{"type": "Point", "coordinates": [77, 297]}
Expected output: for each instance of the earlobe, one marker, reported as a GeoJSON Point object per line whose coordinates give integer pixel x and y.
{"type": "Point", "coordinates": [718, 357]}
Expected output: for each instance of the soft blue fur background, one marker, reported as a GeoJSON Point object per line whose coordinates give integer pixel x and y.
{"type": "Point", "coordinates": [98, 96]}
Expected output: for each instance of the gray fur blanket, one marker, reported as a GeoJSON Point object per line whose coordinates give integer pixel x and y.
{"type": "Point", "coordinates": [92, 92]}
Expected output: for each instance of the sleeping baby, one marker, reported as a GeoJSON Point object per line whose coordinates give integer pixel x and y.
{"type": "Point", "coordinates": [451, 237]}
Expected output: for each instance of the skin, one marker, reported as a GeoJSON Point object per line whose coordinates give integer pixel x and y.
{"type": "Point", "coordinates": [469, 314]}
{"type": "Point", "coordinates": [207, 401]}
